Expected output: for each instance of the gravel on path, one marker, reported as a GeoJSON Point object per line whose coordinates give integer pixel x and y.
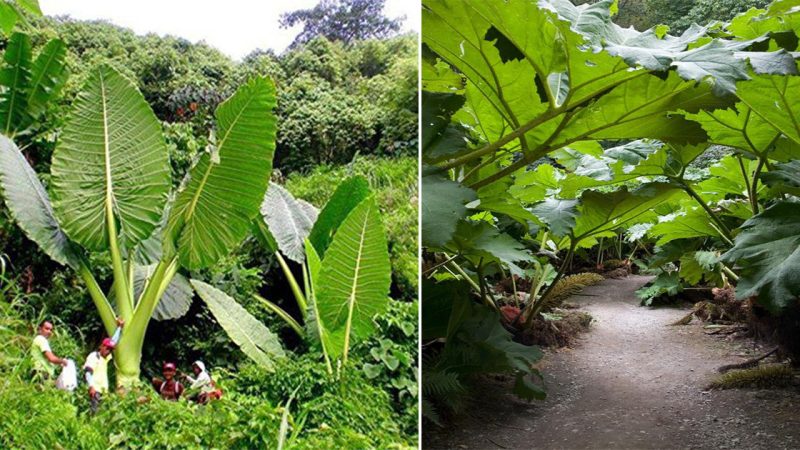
{"type": "Point", "coordinates": [633, 382]}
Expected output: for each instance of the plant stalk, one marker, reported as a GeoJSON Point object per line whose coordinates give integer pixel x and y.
{"type": "Point", "coordinates": [754, 185]}
{"type": "Point", "coordinates": [124, 300]}
{"type": "Point", "coordinates": [536, 306]}
{"type": "Point", "coordinates": [309, 285]}
{"type": "Point", "coordinates": [281, 313]}
{"type": "Point", "coordinates": [726, 232]}
{"type": "Point", "coordinates": [99, 298]}
{"type": "Point", "coordinates": [298, 293]}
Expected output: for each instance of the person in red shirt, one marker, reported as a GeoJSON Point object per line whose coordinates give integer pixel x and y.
{"type": "Point", "coordinates": [169, 388]}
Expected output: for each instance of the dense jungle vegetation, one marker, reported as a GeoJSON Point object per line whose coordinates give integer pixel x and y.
{"type": "Point", "coordinates": [559, 146]}
{"type": "Point", "coordinates": [326, 120]}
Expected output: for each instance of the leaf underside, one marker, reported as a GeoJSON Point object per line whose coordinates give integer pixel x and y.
{"type": "Point", "coordinates": [255, 339]}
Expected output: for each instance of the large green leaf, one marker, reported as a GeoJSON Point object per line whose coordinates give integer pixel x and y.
{"type": "Point", "coordinates": [347, 196]}
{"type": "Point", "coordinates": [494, 198]}
{"type": "Point", "coordinates": [740, 128]}
{"type": "Point", "coordinates": [8, 17]}
{"type": "Point", "coordinates": [111, 158]}
{"type": "Point", "coordinates": [176, 300]}
{"type": "Point", "coordinates": [288, 220]}
{"type": "Point", "coordinates": [255, 339]}
{"type": "Point", "coordinates": [214, 211]}
{"type": "Point", "coordinates": [694, 55]}
{"type": "Point", "coordinates": [639, 108]}
{"type": "Point", "coordinates": [438, 321]}
{"type": "Point", "coordinates": [48, 76]}
{"type": "Point", "coordinates": [558, 214]}
{"type": "Point", "coordinates": [31, 6]}
{"type": "Point", "coordinates": [353, 283]}
{"type": "Point", "coordinates": [726, 179]}
{"type": "Point", "coordinates": [776, 99]}
{"type": "Point", "coordinates": [483, 242]}
{"type": "Point", "coordinates": [478, 343]}
{"type": "Point", "coordinates": [440, 138]}
{"type": "Point", "coordinates": [787, 173]}
{"type": "Point", "coordinates": [443, 203]}
{"type": "Point", "coordinates": [600, 213]}
{"type": "Point", "coordinates": [14, 80]}
{"type": "Point", "coordinates": [534, 185]}
{"type": "Point", "coordinates": [29, 204]}
{"type": "Point", "coordinates": [768, 252]}
{"type": "Point", "coordinates": [692, 222]}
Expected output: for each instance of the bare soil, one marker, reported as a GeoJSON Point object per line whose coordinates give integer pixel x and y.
{"type": "Point", "coordinates": [632, 381]}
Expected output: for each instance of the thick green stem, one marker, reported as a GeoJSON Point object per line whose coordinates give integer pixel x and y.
{"type": "Point", "coordinates": [281, 313]}
{"type": "Point", "coordinates": [746, 178]}
{"type": "Point", "coordinates": [516, 134]}
{"type": "Point", "coordinates": [298, 293]}
{"type": "Point", "coordinates": [726, 232]}
{"type": "Point", "coordinates": [123, 293]}
{"type": "Point", "coordinates": [729, 272]}
{"type": "Point", "coordinates": [128, 353]}
{"type": "Point", "coordinates": [127, 361]}
{"type": "Point", "coordinates": [569, 105]}
{"type": "Point", "coordinates": [482, 282]}
{"type": "Point", "coordinates": [536, 306]}
{"type": "Point", "coordinates": [433, 269]}
{"type": "Point", "coordinates": [754, 185]}
{"type": "Point", "coordinates": [100, 301]}
{"type": "Point", "coordinates": [309, 285]}
{"type": "Point", "coordinates": [457, 268]}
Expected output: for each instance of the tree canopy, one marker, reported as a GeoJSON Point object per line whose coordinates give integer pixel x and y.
{"type": "Point", "coordinates": [342, 20]}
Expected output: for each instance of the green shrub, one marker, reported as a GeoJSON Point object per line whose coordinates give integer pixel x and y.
{"type": "Point", "coordinates": [390, 360]}
{"type": "Point", "coordinates": [33, 417]}
{"type": "Point", "coordinates": [351, 402]}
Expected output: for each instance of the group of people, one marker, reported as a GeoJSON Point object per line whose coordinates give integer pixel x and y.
{"type": "Point", "coordinates": [201, 387]}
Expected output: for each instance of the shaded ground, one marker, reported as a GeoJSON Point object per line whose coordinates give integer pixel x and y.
{"type": "Point", "coordinates": [632, 382]}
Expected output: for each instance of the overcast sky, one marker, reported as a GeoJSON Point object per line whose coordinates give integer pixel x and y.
{"type": "Point", "coordinates": [236, 27]}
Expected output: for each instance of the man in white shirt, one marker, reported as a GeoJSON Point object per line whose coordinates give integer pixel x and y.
{"type": "Point", "coordinates": [44, 360]}
{"type": "Point", "coordinates": [96, 367]}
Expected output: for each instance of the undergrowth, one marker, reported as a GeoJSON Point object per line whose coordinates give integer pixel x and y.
{"type": "Point", "coordinates": [352, 412]}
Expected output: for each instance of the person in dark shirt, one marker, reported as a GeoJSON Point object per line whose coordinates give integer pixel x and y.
{"type": "Point", "coordinates": [169, 388]}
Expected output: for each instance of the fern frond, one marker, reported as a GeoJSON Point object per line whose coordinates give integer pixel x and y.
{"type": "Point", "coordinates": [569, 286]}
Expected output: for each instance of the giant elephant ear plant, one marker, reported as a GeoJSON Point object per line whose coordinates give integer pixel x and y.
{"type": "Point", "coordinates": [346, 271]}
{"type": "Point", "coordinates": [110, 188]}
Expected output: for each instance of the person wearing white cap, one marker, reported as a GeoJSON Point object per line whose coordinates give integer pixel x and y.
{"type": "Point", "coordinates": [202, 382]}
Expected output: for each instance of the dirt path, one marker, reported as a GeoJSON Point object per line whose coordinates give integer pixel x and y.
{"type": "Point", "coordinates": [632, 382]}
